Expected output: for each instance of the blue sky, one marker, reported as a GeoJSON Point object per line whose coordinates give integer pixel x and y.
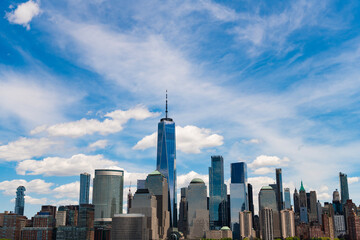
{"type": "Point", "coordinates": [82, 86]}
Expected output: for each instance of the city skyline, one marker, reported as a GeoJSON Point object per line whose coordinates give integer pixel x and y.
{"type": "Point", "coordinates": [85, 91]}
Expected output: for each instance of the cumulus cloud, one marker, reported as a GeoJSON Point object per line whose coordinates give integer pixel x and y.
{"type": "Point", "coordinates": [185, 179]}
{"type": "Point", "coordinates": [353, 180]}
{"type": "Point", "coordinates": [264, 160]}
{"type": "Point", "coordinates": [263, 170]}
{"type": "Point", "coordinates": [56, 166]}
{"type": "Point", "coordinates": [251, 141]}
{"type": "Point", "coordinates": [100, 144]}
{"type": "Point", "coordinates": [24, 13]}
{"type": "Point", "coordinates": [34, 186]}
{"type": "Point", "coordinates": [35, 201]}
{"type": "Point", "coordinates": [113, 123]}
{"type": "Point", "coordinates": [25, 148]}
{"type": "Point", "coordinates": [189, 139]}
{"type": "Point", "coordinates": [70, 190]}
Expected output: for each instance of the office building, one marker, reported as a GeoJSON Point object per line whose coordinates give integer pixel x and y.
{"type": "Point", "coordinates": [287, 204]}
{"type": "Point", "coordinates": [238, 195]}
{"type": "Point", "coordinates": [145, 203]}
{"type": "Point", "coordinates": [183, 212]}
{"type": "Point", "coordinates": [141, 184]}
{"type": "Point", "coordinates": [312, 208]}
{"type": "Point", "coordinates": [166, 160]}
{"type": "Point", "coordinates": [344, 189]}
{"type": "Point", "coordinates": [279, 189]}
{"type": "Point", "coordinates": [251, 202]}
{"type": "Point", "coordinates": [296, 202]}
{"type": "Point", "coordinates": [157, 185]}
{"type": "Point", "coordinates": [267, 199]}
{"type": "Point", "coordinates": [108, 191]}
{"type": "Point", "coordinates": [84, 188]}
{"type": "Point", "coordinates": [266, 224]}
{"type": "Point", "coordinates": [303, 199]}
{"type": "Point", "coordinates": [319, 212]}
{"type": "Point", "coordinates": [328, 225]}
{"type": "Point", "coordinates": [20, 200]}
{"type": "Point", "coordinates": [217, 193]}
{"type": "Point", "coordinates": [43, 225]}
{"type": "Point", "coordinates": [129, 200]}
{"type": "Point", "coordinates": [245, 224]}
{"type": "Point", "coordinates": [337, 202]}
{"type": "Point", "coordinates": [60, 218]}
{"type": "Point", "coordinates": [198, 214]}
{"type": "Point", "coordinates": [287, 223]}
{"type": "Point", "coordinates": [129, 227]}
{"type": "Point", "coordinates": [353, 225]}
{"type": "Point", "coordinates": [339, 226]}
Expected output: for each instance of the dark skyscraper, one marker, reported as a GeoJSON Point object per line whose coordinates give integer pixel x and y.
{"type": "Point", "coordinates": [166, 160]}
{"type": "Point", "coordinates": [279, 190]}
{"type": "Point", "coordinates": [251, 202]}
{"type": "Point", "coordinates": [217, 193]}
{"type": "Point", "coordinates": [344, 189]}
{"type": "Point", "coordinates": [238, 195]}
{"type": "Point", "coordinates": [20, 200]}
{"type": "Point", "coordinates": [296, 202]}
{"type": "Point", "coordinates": [84, 188]}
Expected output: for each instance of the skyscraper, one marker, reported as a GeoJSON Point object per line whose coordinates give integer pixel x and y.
{"type": "Point", "coordinates": [303, 204]}
{"type": "Point", "coordinates": [313, 207]}
{"type": "Point", "coordinates": [20, 200]}
{"type": "Point", "coordinates": [251, 202]}
{"type": "Point", "coordinates": [287, 223]}
{"type": "Point", "coordinates": [108, 193]}
{"type": "Point", "coordinates": [266, 224]}
{"type": "Point", "coordinates": [84, 188]}
{"type": "Point", "coordinates": [183, 212]}
{"type": "Point", "coordinates": [166, 160]}
{"type": "Point", "coordinates": [238, 195]}
{"type": "Point", "coordinates": [217, 193]}
{"type": "Point", "coordinates": [245, 222]}
{"type": "Point", "coordinates": [344, 189]}
{"type": "Point", "coordinates": [267, 199]}
{"type": "Point", "coordinates": [279, 189]}
{"type": "Point", "coordinates": [287, 204]}
{"type": "Point", "coordinates": [296, 202]}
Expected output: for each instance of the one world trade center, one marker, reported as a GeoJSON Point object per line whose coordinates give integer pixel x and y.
{"type": "Point", "coordinates": [166, 160]}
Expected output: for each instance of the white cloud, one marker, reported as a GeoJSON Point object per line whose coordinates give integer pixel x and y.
{"type": "Point", "coordinates": [189, 139]}
{"type": "Point", "coordinates": [324, 196]}
{"type": "Point", "coordinates": [264, 160]}
{"type": "Point", "coordinates": [113, 123]}
{"type": "Point", "coordinates": [263, 170]}
{"type": "Point", "coordinates": [251, 141]}
{"type": "Point", "coordinates": [35, 201]}
{"type": "Point", "coordinates": [70, 190]}
{"type": "Point", "coordinates": [353, 179]}
{"type": "Point", "coordinates": [34, 186]}
{"type": "Point", "coordinates": [25, 148]}
{"type": "Point", "coordinates": [56, 166]}
{"type": "Point", "coordinates": [100, 144]}
{"type": "Point", "coordinates": [24, 13]}
{"type": "Point", "coordinates": [185, 179]}
{"type": "Point", "coordinates": [257, 183]}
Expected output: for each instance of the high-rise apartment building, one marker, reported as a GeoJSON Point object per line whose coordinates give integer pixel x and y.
{"type": "Point", "coordinates": [84, 188]}
{"type": "Point", "coordinates": [238, 195]}
{"type": "Point", "coordinates": [20, 200]}
{"type": "Point", "coordinates": [344, 189]}
{"type": "Point", "coordinates": [166, 160]}
{"type": "Point", "coordinates": [217, 193]}
{"type": "Point", "coordinates": [198, 214]}
{"type": "Point", "coordinates": [108, 193]}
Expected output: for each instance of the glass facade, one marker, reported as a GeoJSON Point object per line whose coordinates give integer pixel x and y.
{"type": "Point", "coordinates": [279, 190]}
{"type": "Point", "coordinates": [267, 198]}
{"type": "Point", "coordinates": [344, 189]}
{"type": "Point", "coordinates": [217, 193]}
{"type": "Point", "coordinates": [108, 193]}
{"type": "Point", "coordinates": [20, 200]}
{"type": "Point", "coordinates": [287, 198]}
{"type": "Point", "coordinates": [238, 195]}
{"type": "Point", "coordinates": [84, 188]}
{"type": "Point", "coordinates": [166, 162]}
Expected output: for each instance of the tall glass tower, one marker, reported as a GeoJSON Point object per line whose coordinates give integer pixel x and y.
{"type": "Point", "coordinates": [238, 195]}
{"type": "Point", "coordinates": [217, 193]}
{"type": "Point", "coordinates": [84, 188]}
{"type": "Point", "coordinates": [166, 160]}
{"type": "Point", "coordinates": [279, 190]}
{"type": "Point", "coordinates": [108, 194]}
{"type": "Point", "coordinates": [20, 200]}
{"type": "Point", "coordinates": [344, 189]}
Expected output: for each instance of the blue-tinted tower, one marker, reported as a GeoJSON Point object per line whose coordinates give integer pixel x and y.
{"type": "Point", "coordinates": [84, 188]}
{"type": "Point", "coordinates": [166, 160]}
{"type": "Point", "coordinates": [238, 195]}
{"type": "Point", "coordinates": [217, 193]}
{"type": "Point", "coordinates": [20, 200]}
{"type": "Point", "coordinates": [344, 189]}
{"type": "Point", "coordinates": [279, 190]}
{"type": "Point", "coordinates": [287, 204]}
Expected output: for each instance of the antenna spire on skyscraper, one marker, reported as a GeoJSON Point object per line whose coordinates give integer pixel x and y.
{"type": "Point", "coordinates": [166, 109]}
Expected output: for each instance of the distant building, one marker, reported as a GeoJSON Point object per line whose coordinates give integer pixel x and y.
{"type": "Point", "coordinates": [337, 203]}
{"type": "Point", "coordinates": [84, 188]}
{"type": "Point", "coordinates": [43, 225]}
{"type": "Point", "coordinates": [245, 224]}
{"type": "Point", "coordinates": [108, 193]}
{"type": "Point", "coordinates": [266, 224]}
{"type": "Point", "coordinates": [267, 199]}
{"type": "Point", "coordinates": [198, 214]}
{"type": "Point", "coordinates": [313, 207]}
{"type": "Point", "coordinates": [354, 226]}
{"type": "Point", "coordinates": [60, 218]}
{"type": "Point", "coordinates": [129, 227]}
{"type": "Point", "coordinates": [20, 200]}
{"type": "Point", "coordinates": [129, 200]}
{"type": "Point", "coordinates": [296, 202]}
{"type": "Point", "coordinates": [287, 223]}
{"type": "Point", "coordinates": [279, 189]}
{"type": "Point", "coordinates": [140, 184]}
{"type": "Point", "coordinates": [287, 198]}
{"type": "Point", "coordinates": [217, 193]}
{"type": "Point", "coordinates": [344, 189]}
{"type": "Point", "coordinates": [319, 212]}
{"type": "Point", "coordinates": [251, 202]}
{"type": "Point", "coordinates": [183, 212]}
{"type": "Point", "coordinates": [12, 226]}
{"type": "Point", "coordinates": [238, 195]}
{"type": "Point", "coordinates": [223, 233]}
{"type": "Point", "coordinates": [339, 225]}
{"type": "Point", "coordinates": [328, 225]}
{"type": "Point", "coordinates": [303, 204]}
